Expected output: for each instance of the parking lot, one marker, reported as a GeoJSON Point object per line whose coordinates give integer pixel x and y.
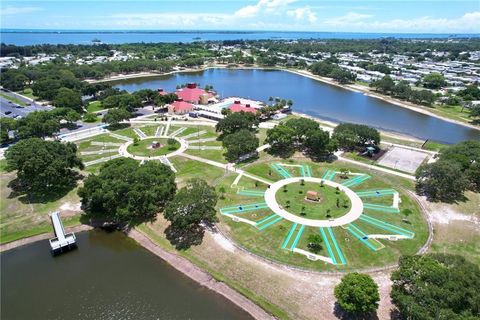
{"type": "Point", "coordinates": [403, 159]}
{"type": "Point", "coordinates": [11, 109]}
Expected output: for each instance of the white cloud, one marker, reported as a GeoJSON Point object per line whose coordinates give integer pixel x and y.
{"type": "Point", "coordinates": [468, 23]}
{"type": "Point", "coordinates": [267, 5]}
{"type": "Point", "coordinates": [10, 10]}
{"type": "Point", "coordinates": [171, 19]}
{"type": "Point", "coordinates": [349, 18]}
{"type": "Point", "coordinates": [304, 13]}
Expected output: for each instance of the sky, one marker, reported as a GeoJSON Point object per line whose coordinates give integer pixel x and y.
{"type": "Point", "coordinates": [384, 16]}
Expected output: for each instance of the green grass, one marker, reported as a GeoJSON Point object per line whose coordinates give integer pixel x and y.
{"type": "Point", "coordinates": [325, 209]}
{"type": "Point", "coordinates": [214, 155]}
{"type": "Point", "coordinates": [143, 147]}
{"type": "Point", "coordinates": [13, 99]}
{"type": "Point", "coordinates": [94, 106]}
{"type": "Point", "coordinates": [188, 169]}
{"type": "Point", "coordinates": [28, 92]}
{"type": "Point", "coordinates": [3, 165]}
{"type": "Point", "coordinates": [43, 227]}
{"type": "Point", "coordinates": [127, 132]}
{"type": "Point", "coordinates": [20, 218]}
{"type": "Point", "coordinates": [434, 146]}
{"type": "Point", "coordinates": [268, 242]}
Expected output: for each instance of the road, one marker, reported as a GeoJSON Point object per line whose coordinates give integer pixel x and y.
{"type": "Point", "coordinates": [11, 109]}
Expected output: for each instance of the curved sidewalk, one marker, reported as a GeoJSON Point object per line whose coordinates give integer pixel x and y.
{"type": "Point", "coordinates": [351, 216]}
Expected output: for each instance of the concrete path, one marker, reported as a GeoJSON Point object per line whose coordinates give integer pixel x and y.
{"type": "Point", "coordinates": [354, 213]}
{"type": "Point", "coordinates": [261, 148]}
{"type": "Point", "coordinates": [202, 140]}
{"type": "Point", "coordinates": [167, 127]}
{"type": "Point", "coordinates": [195, 134]}
{"type": "Point", "coordinates": [177, 132]}
{"type": "Point", "coordinates": [205, 147]}
{"type": "Point", "coordinates": [123, 150]}
{"type": "Point", "coordinates": [139, 133]}
{"type": "Point", "coordinates": [159, 131]}
{"type": "Point", "coordinates": [90, 163]}
{"type": "Point", "coordinates": [85, 153]}
{"type": "Point", "coordinates": [119, 136]}
{"type": "Point", "coordinates": [107, 144]}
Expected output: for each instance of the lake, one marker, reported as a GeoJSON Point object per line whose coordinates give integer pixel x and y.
{"type": "Point", "coordinates": [22, 37]}
{"type": "Point", "coordinates": [109, 276]}
{"type": "Point", "coordinates": [314, 98]}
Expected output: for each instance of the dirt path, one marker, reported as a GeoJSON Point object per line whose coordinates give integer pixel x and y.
{"type": "Point", "coordinates": [200, 276]}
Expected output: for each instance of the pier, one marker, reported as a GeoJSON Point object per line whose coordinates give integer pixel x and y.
{"type": "Point", "coordinates": [61, 241]}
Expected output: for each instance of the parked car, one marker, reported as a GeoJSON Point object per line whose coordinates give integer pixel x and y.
{"type": "Point", "coordinates": [8, 112]}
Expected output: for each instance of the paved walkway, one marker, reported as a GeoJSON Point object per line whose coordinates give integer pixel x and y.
{"type": "Point", "coordinates": [124, 152]}
{"type": "Point", "coordinates": [354, 213]}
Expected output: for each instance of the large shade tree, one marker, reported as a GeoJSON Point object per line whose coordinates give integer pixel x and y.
{"type": "Point", "coordinates": [192, 205]}
{"type": "Point", "coordinates": [436, 286]}
{"type": "Point", "coordinates": [357, 293]}
{"type": "Point", "coordinates": [239, 143]}
{"type": "Point", "coordinates": [126, 191]}
{"type": "Point", "coordinates": [236, 121]}
{"type": "Point", "coordinates": [43, 166]}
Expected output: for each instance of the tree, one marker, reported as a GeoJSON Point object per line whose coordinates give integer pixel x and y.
{"type": "Point", "coordinates": [357, 293]}
{"type": "Point", "coordinates": [239, 143]}
{"type": "Point", "coordinates": [115, 116]}
{"type": "Point", "coordinates": [124, 101]}
{"type": "Point", "coordinates": [315, 243]}
{"type": "Point", "coordinates": [7, 126]}
{"type": "Point", "coordinates": [442, 180]}
{"type": "Point", "coordinates": [38, 124]}
{"type": "Point", "coordinates": [281, 138]}
{"type": "Point", "coordinates": [319, 143]}
{"type": "Point", "coordinates": [433, 80]}
{"type": "Point", "coordinates": [384, 85]}
{"type": "Point", "coordinates": [236, 121]}
{"type": "Point", "coordinates": [302, 127]}
{"type": "Point", "coordinates": [43, 167]}
{"type": "Point", "coordinates": [89, 117]}
{"type": "Point", "coordinates": [126, 191]}
{"type": "Point", "coordinates": [68, 98]}
{"type": "Point", "coordinates": [192, 205]}
{"type": "Point", "coordinates": [436, 286]}
{"type": "Point", "coordinates": [171, 143]}
{"type": "Point", "coordinates": [349, 135]}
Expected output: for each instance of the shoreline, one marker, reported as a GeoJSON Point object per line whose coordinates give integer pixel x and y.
{"type": "Point", "coordinates": [304, 73]}
{"type": "Point", "coordinates": [179, 263]}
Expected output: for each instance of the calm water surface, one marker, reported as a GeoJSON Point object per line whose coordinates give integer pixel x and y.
{"type": "Point", "coordinates": [31, 37]}
{"type": "Point", "coordinates": [108, 277]}
{"type": "Point", "coordinates": [314, 98]}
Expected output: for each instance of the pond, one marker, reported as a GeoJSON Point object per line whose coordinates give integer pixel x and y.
{"type": "Point", "coordinates": [109, 276]}
{"type": "Point", "coordinates": [314, 98]}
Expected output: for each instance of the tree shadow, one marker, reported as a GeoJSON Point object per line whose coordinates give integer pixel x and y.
{"type": "Point", "coordinates": [184, 239]}
{"type": "Point", "coordinates": [118, 126]}
{"type": "Point", "coordinates": [344, 315]}
{"type": "Point", "coordinates": [26, 196]}
{"type": "Point", "coordinates": [283, 153]}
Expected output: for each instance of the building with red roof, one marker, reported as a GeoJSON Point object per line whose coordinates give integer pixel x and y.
{"type": "Point", "coordinates": [162, 92]}
{"type": "Point", "coordinates": [237, 106]}
{"type": "Point", "coordinates": [193, 94]}
{"type": "Point", "coordinates": [180, 107]}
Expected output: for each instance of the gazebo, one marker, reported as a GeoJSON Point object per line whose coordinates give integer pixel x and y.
{"type": "Point", "coordinates": [312, 196]}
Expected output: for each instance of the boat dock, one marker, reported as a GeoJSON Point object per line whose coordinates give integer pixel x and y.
{"type": "Point", "coordinates": [61, 241]}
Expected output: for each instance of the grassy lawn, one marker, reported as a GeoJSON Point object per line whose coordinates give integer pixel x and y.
{"type": "Point", "coordinates": [268, 242]}
{"type": "Point", "coordinates": [215, 155]}
{"type": "Point", "coordinates": [144, 147]}
{"type": "Point", "coordinates": [28, 92]}
{"type": "Point", "coordinates": [13, 99]}
{"type": "Point", "coordinates": [453, 112]}
{"type": "Point", "coordinates": [21, 218]}
{"type": "Point", "coordinates": [94, 106]}
{"type": "Point", "coordinates": [292, 198]}
{"type": "Point", "coordinates": [127, 132]}
{"type": "Point", "coordinates": [188, 169]}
